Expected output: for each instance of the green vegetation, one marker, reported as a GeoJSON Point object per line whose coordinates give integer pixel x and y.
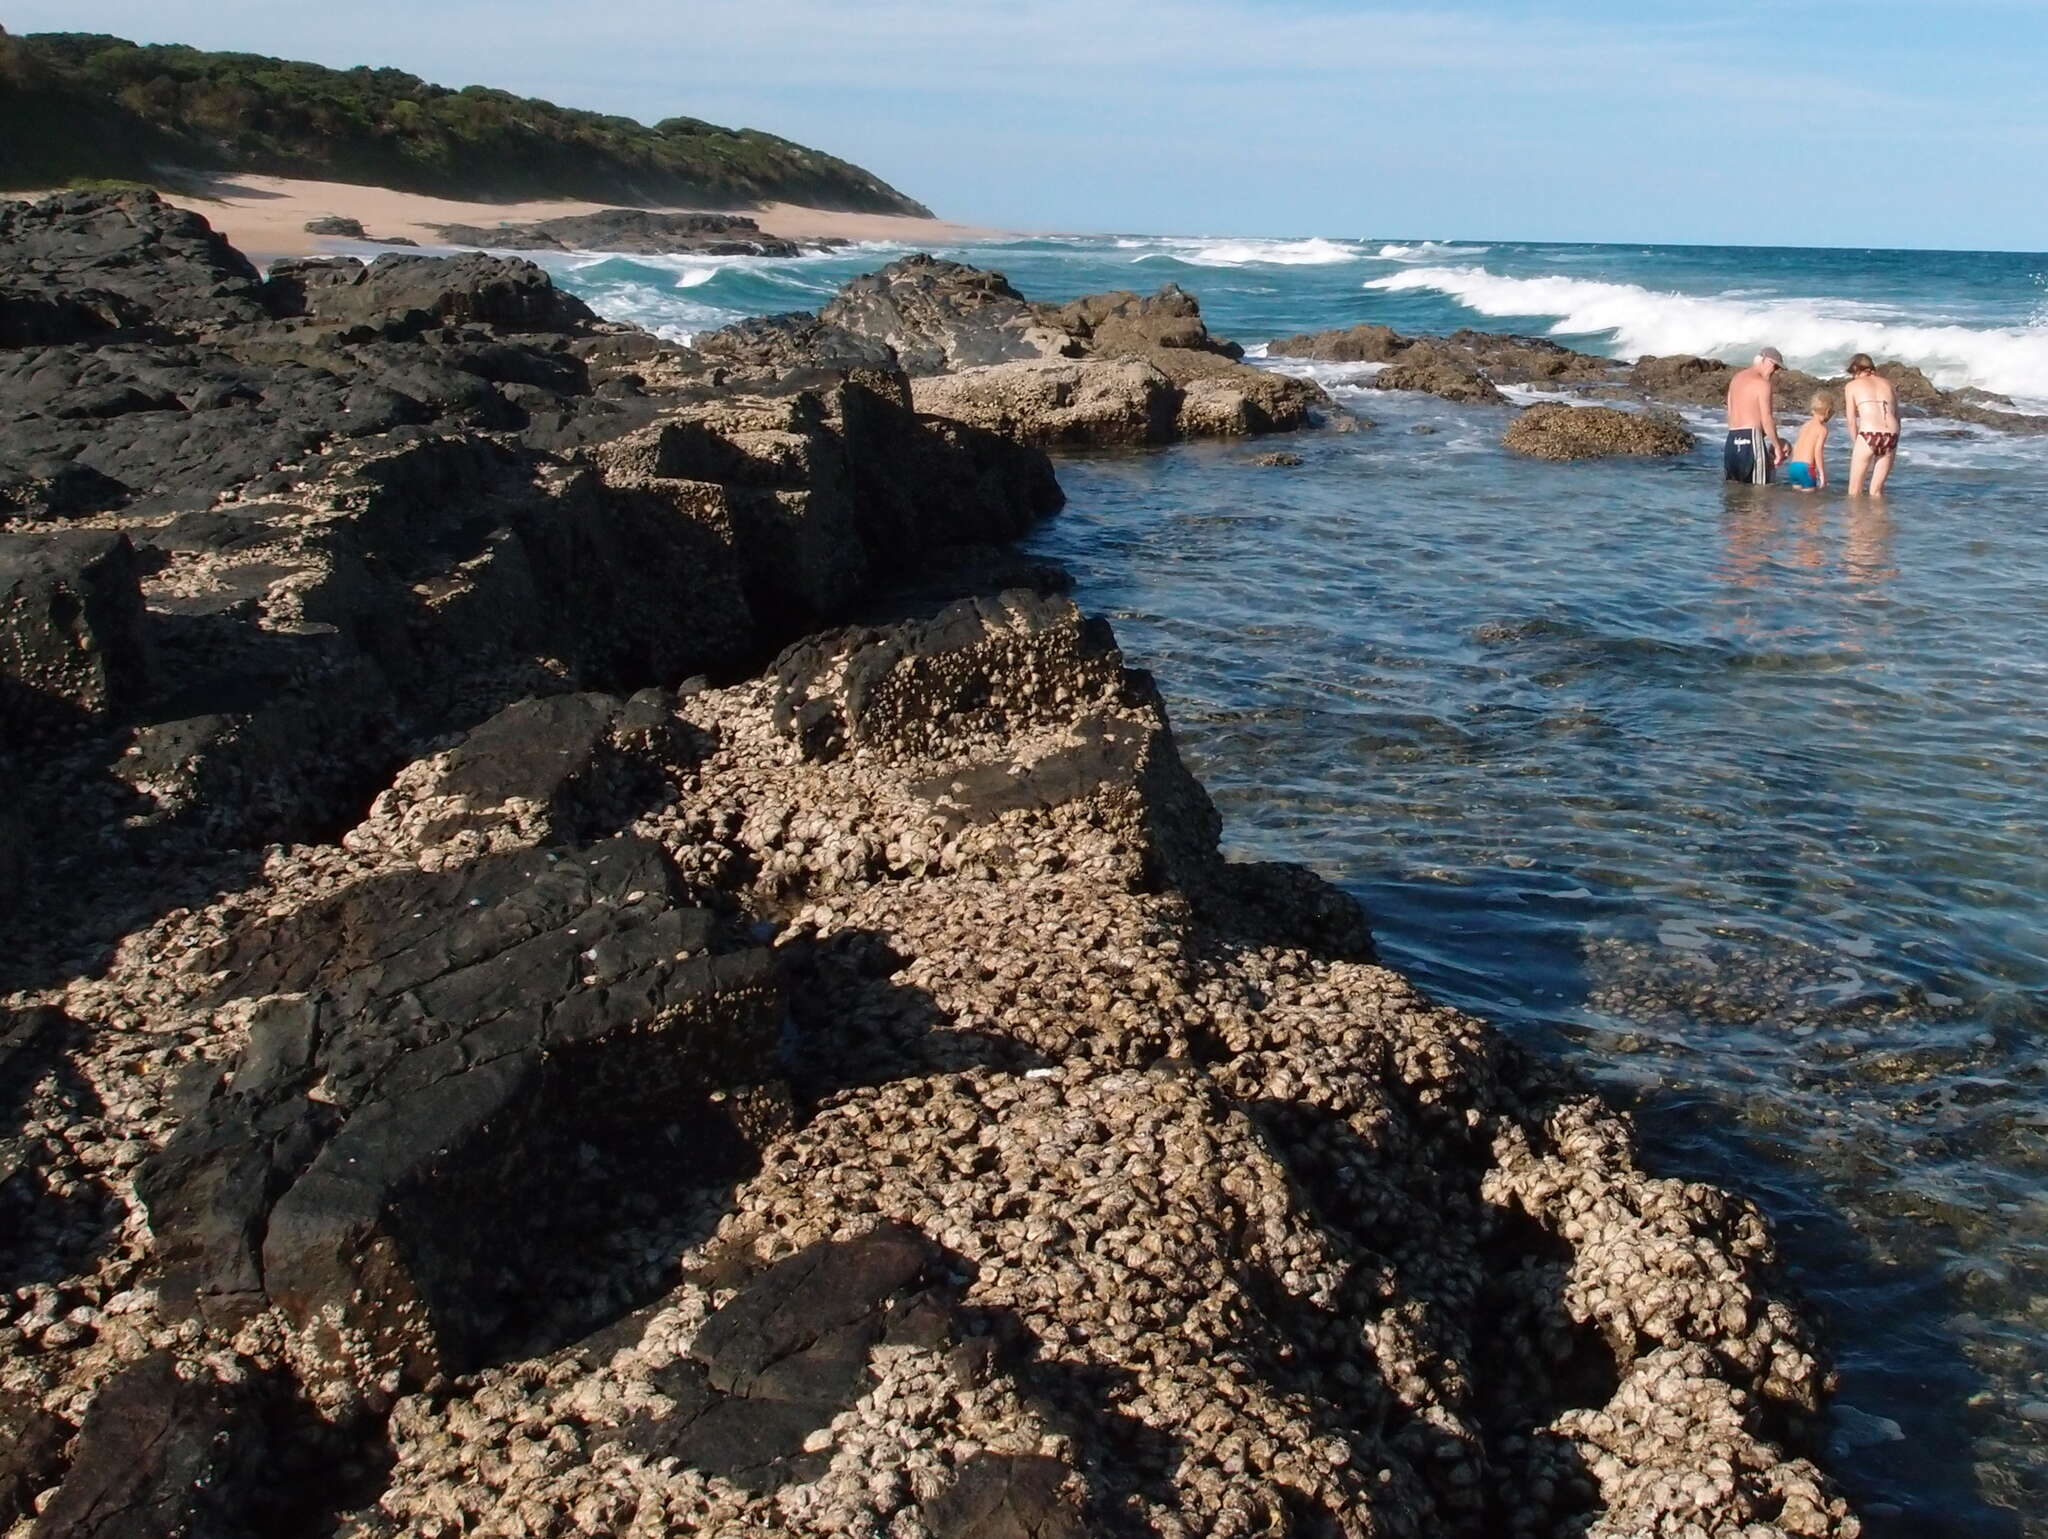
{"type": "Point", "coordinates": [77, 106]}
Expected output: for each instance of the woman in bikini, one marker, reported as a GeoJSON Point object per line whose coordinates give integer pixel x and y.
{"type": "Point", "coordinates": [1872, 407]}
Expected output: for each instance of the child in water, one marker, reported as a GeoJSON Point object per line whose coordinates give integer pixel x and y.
{"type": "Point", "coordinates": [1808, 467]}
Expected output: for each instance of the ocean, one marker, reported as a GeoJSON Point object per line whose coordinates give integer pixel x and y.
{"type": "Point", "coordinates": [1733, 798]}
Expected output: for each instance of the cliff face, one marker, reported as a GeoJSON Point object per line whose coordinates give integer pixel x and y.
{"type": "Point", "coordinates": [78, 105]}
{"type": "Point", "coordinates": [495, 1046]}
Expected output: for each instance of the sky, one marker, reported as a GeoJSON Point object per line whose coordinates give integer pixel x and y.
{"type": "Point", "coordinates": [1871, 123]}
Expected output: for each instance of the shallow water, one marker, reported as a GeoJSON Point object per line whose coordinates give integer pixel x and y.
{"type": "Point", "coordinates": [1732, 797]}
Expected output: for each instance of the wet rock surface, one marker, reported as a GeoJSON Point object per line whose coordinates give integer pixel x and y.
{"type": "Point", "coordinates": [496, 1047]}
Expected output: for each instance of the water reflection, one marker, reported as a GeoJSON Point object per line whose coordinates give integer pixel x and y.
{"type": "Point", "coordinates": [1867, 551]}
{"type": "Point", "coordinates": [1768, 529]}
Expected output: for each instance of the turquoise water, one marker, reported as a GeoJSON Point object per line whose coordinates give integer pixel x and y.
{"type": "Point", "coordinates": [1733, 797]}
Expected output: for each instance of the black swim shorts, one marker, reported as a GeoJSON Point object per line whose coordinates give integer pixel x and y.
{"type": "Point", "coordinates": [1748, 457]}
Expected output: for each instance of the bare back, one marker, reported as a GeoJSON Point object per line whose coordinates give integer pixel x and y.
{"type": "Point", "coordinates": [1872, 405]}
{"type": "Point", "coordinates": [1749, 399]}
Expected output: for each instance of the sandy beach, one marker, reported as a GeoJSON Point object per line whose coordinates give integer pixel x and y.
{"type": "Point", "coordinates": [266, 215]}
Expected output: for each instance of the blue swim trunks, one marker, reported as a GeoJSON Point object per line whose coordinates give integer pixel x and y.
{"type": "Point", "coordinates": [1799, 473]}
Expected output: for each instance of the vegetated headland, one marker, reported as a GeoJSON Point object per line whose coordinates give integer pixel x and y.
{"type": "Point", "coordinates": [83, 107]}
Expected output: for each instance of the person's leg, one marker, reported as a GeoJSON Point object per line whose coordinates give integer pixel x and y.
{"type": "Point", "coordinates": [1859, 464]}
{"type": "Point", "coordinates": [1881, 472]}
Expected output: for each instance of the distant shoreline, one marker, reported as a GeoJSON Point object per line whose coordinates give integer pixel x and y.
{"type": "Point", "coordinates": [265, 216]}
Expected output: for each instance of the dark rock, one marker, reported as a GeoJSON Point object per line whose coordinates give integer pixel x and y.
{"type": "Point", "coordinates": [1358, 344]}
{"type": "Point", "coordinates": [1079, 402]}
{"type": "Point", "coordinates": [822, 492]}
{"type": "Point", "coordinates": [71, 628]}
{"type": "Point", "coordinates": [1123, 322]}
{"type": "Point", "coordinates": [82, 265]}
{"type": "Point", "coordinates": [1106, 369]}
{"type": "Point", "coordinates": [403, 296]}
{"type": "Point", "coordinates": [159, 1455]}
{"type": "Point", "coordinates": [1277, 459]}
{"type": "Point", "coordinates": [790, 1351]}
{"type": "Point", "coordinates": [32, 1444]}
{"type": "Point", "coordinates": [1131, 773]}
{"type": "Point", "coordinates": [563, 769]}
{"type": "Point", "coordinates": [466, 1032]}
{"type": "Point", "coordinates": [1518, 360]}
{"type": "Point", "coordinates": [1007, 1496]}
{"type": "Point", "coordinates": [1554, 431]}
{"type": "Point", "coordinates": [632, 230]}
{"type": "Point", "coordinates": [29, 1042]}
{"type": "Point", "coordinates": [939, 315]}
{"type": "Point", "coordinates": [1682, 378]}
{"type": "Point", "coordinates": [795, 346]}
{"type": "Point", "coordinates": [993, 665]}
{"type": "Point", "coordinates": [1439, 370]}
{"type": "Point", "coordinates": [335, 224]}
{"type": "Point", "coordinates": [1222, 399]}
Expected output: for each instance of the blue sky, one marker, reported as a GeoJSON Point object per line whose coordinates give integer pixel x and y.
{"type": "Point", "coordinates": [1868, 123]}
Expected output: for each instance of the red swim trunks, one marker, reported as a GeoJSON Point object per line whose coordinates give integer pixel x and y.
{"type": "Point", "coordinates": [1881, 444]}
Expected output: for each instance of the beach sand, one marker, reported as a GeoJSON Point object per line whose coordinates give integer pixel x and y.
{"type": "Point", "coordinates": [265, 216]}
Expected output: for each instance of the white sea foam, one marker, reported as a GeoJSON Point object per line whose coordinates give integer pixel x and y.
{"type": "Point", "coordinates": [660, 309]}
{"type": "Point", "coordinates": [1314, 252]}
{"type": "Point", "coordinates": [1815, 334]}
{"type": "Point", "coordinates": [1427, 251]}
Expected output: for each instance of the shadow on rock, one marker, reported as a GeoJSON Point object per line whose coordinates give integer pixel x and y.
{"type": "Point", "coordinates": [449, 1076]}
{"type": "Point", "coordinates": [52, 1217]}
{"type": "Point", "coordinates": [858, 1026]}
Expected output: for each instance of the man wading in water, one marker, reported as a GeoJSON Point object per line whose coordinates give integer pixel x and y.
{"type": "Point", "coordinates": [1754, 447]}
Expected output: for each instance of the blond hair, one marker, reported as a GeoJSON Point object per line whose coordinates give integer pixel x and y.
{"type": "Point", "coordinates": [1822, 405]}
{"type": "Point", "coordinates": [1861, 364]}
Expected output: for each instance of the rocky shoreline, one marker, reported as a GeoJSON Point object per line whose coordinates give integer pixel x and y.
{"type": "Point", "coordinates": [592, 955]}
{"type": "Point", "coordinates": [636, 231]}
{"type": "Point", "coordinates": [1470, 367]}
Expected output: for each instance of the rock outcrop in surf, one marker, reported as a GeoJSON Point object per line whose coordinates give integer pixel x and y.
{"type": "Point", "coordinates": [1551, 430]}
{"type": "Point", "coordinates": [1469, 366]}
{"type": "Point", "coordinates": [1108, 369]}
{"type": "Point", "coordinates": [493, 1046]}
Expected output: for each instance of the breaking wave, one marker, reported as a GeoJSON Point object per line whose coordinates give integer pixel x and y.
{"type": "Point", "coordinates": [1427, 251]}
{"type": "Point", "coordinates": [1814, 334]}
{"type": "Point", "coordinates": [1314, 252]}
